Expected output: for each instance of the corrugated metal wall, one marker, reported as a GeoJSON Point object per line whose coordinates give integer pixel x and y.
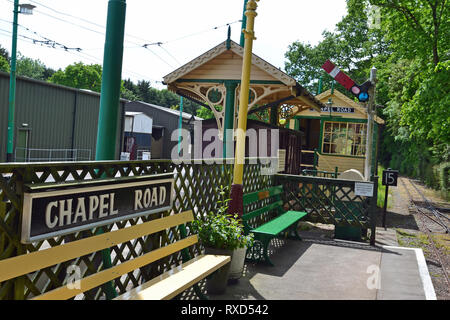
{"type": "Point", "coordinates": [58, 117]}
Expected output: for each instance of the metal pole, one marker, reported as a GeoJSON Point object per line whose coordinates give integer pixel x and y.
{"type": "Point", "coordinates": [111, 78]}
{"type": "Point", "coordinates": [12, 87]}
{"type": "Point", "coordinates": [385, 206]}
{"type": "Point", "coordinates": [236, 205]}
{"type": "Point", "coordinates": [109, 100]}
{"type": "Point", "coordinates": [370, 117]}
{"type": "Point", "coordinates": [180, 125]}
{"type": "Point", "coordinates": [244, 24]}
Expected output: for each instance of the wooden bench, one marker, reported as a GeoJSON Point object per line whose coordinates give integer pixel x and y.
{"type": "Point", "coordinates": [264, 233]}
{"type": "Point", "coordinates": [165, 286]}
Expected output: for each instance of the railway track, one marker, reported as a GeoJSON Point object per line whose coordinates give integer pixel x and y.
{"type": "Point", "coordinates": [438, 220]}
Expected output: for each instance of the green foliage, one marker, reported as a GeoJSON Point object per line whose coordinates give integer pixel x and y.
{"type": "Point", "coordinates": [4, 64]}
{"type": "Point", "coordinates": [221, 230]}
{"type": "Point", "coordinates": [4, 53]}
{"type": "Point", "coordinates": [30, 68]}
{"type": "Point", "coordinates": [410, 48]}
{"type": "Point", "coordinates": [79, 75]}
{"type": "Point", "coordinates": [205, 113]}
{"type": "Point", "coordinates": [427, 112]}
{"type": "Point", "coordinates": [416, 28]}
{"type": "Point", "coordinates": [352, 46]}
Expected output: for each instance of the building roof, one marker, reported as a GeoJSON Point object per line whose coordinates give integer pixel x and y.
{"type": "Point", "coordinates": [185, 115]}
{"type": "Point", "coordinates": [336, 93]}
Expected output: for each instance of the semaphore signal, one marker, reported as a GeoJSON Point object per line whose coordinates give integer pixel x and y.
{"type": "Point", "coordinates": [360, 91]}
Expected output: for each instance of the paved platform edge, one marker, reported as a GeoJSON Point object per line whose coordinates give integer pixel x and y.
{"type": "Point", "coordinates": [423, 271]}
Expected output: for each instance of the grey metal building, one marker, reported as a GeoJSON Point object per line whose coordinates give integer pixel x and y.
{"type": "Point", "coordinates": [165, 121]}
{"type": "Point", "coordinates": [52, 117]}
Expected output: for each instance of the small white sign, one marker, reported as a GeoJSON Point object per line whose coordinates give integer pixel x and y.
{"type": "Point", "coordinates": [364, 189]}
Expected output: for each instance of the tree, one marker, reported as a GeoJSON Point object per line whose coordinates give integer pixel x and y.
{"type": "Point", "coordinates": [353, 46]}
{"type": "Point", "coordinates": [31, 68]}
{"type": "Point", "coordinates": [4, 53]}
{"type": "Point", "coordinates": [79, 75]}
{"type": "Point", "coordinates": [418, 28]}
{"type": "Point", "coordinates": [4, 64]}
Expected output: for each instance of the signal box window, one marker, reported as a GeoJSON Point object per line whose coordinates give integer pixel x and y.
{"type": "Point", "coordinates": [344, 138]}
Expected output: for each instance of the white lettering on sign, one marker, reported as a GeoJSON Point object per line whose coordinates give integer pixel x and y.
{"type": "Point", "coordinates": [149, 197]}
{"type": "Point", "coordinates": [338, 109]}
{"type": "Point", "coordinates": [60, 212]}
{"type": "Point", "coordinates": [364, 189]}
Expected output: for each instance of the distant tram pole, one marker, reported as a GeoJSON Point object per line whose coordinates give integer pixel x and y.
{"type": "Point", "coordinates": [109, 100]}
{"type": "Point", "coordinates": [237, 191]}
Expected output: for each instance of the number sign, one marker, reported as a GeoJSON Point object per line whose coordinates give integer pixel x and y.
{"type": "Point", "coordinates": [390, 178]}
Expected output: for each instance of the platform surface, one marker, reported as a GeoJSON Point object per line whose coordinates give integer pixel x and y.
{"type": "Point", "coordinates": [315, 269]}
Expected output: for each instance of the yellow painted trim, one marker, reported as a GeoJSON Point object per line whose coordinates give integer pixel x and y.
{"type": "Point", "coordinates": [175, 281]}
{"type": "Point", "coordinates": [23, 264]}
{"type": "Point", "coordinates": [92, 281]}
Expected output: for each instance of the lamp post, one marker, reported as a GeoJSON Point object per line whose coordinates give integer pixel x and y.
{"type": "Point", "coordinates": [236, 204]}
{"type": "Point", "coordinates": [24, 9]}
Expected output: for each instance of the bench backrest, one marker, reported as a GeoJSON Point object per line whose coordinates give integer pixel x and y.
{"type": "Point", "coordinates": [23, 264]}
{"type": "Point", "coordinates": [271, 197]}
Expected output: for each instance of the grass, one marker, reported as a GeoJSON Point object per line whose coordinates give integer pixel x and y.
{"type": "Point", "coordinates": [382, 190]}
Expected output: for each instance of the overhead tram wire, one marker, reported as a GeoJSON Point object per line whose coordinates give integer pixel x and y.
{"type": "Point", "coordinates": [129, 35]}
{"type": "Point", "coordinates": [160, 44]}
{"type": "Point", "coordinates": [74, 51]}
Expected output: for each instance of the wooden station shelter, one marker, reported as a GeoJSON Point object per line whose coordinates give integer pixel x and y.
{"type": "Point", "coordinates": [336, 135]}
{"type": "Point", "coordinates": [213, 80]}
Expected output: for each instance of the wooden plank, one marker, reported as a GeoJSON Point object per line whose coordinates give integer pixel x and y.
{"type": "Point", "coordinates": [23, 264]}
{"type": "Point", "coordinates": [175, 281]}
{"type": "Point", "coordinates": [255, 196]}
{"type": "Point", "coordinates": [260, 211]}
{"type": "Point", "coordinates": [92, 281]}
{"type": "Point", "coordinates": [280, 223]}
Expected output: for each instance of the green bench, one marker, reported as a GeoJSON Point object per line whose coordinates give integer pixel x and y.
{"type": "Point", "coordinates": [267, 201]}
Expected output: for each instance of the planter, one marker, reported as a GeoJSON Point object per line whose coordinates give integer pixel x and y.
{"type": "Point", "coordinates": [237, 264]}
{"type": "Point", "coordinates": [216, 283]}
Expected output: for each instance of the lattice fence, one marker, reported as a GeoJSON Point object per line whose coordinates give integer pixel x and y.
{"type": "Point", "coordinates": [329, 200]}
{"type": "Point", "coordinates": [195, 189]}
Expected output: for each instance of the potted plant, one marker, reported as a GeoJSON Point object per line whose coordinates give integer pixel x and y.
{"type": "Point", "coordinates": [223, 234]}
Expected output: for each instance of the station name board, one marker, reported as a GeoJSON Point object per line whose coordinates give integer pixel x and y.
{"type": "Point", "coordinates": [338, 109]}
{"type": "Point", "coordinates": [59, 210]}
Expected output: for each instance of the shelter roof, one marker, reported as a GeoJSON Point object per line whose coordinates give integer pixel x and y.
{"type": "Point", "coordinates": [223, 63]}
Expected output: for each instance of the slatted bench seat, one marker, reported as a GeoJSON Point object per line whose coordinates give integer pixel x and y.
{"type": "Point", "coordinates": [264, 233]}
{"type": "Point", "coordinates": [165, 286]}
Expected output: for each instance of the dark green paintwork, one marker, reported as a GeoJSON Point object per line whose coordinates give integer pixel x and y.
{"type": "Point", "coordinates": [266, 231]}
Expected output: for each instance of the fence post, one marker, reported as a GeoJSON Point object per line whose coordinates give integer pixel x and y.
{"type": "Point", "coordinates": [315, 161]}
{"type": "Point", "coordinates": [373, 210]}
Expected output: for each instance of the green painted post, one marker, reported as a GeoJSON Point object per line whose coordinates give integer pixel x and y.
{"type": "Point", "coordinates": [274, 115]}
{"type": "Point", "coordinates": [111, 79]}
{"type": "Point", "coordinates": [244, 25]}
{"type": "Point", "coordinates": [319, 90]}
{"type": "Point", "coordinates": [12, 87]}
{"type": "Point", "coordinates": [109, 100]}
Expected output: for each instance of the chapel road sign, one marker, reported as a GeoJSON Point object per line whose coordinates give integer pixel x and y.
{"type": "Point", "coordinates": [65, 208]}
